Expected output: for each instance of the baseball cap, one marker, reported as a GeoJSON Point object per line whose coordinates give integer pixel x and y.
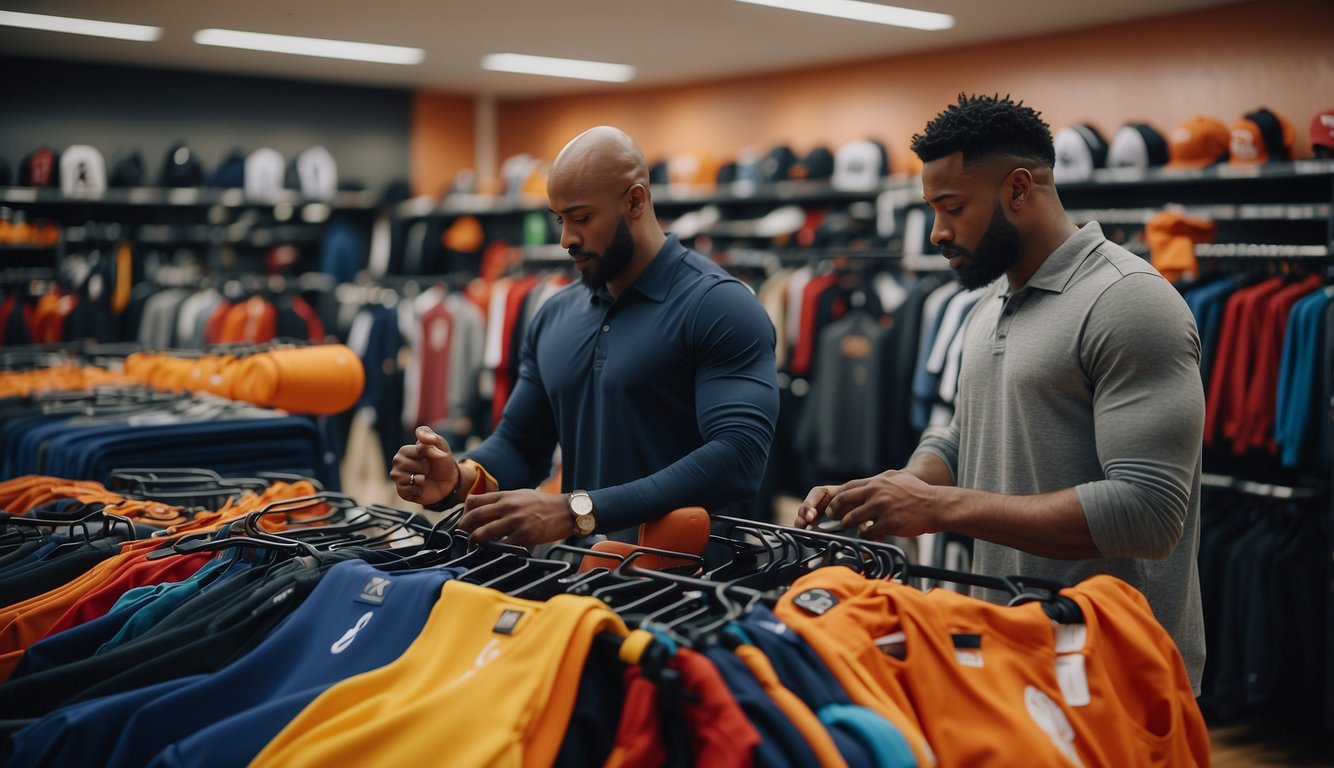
{"type": "Point", "coordinates": [180, 167]}
{"type": "Point", "coordinates": [230, 173]}
{"type": "Point", "coordinates": [41, 168]}
{"type": "Point", "coordinates": [657, 173]}
{"type": "Point", "coordinates": [83, 171]}
{"type": "Point", "coordinates": [514, 171]}
{"type": "Point", "coordinates": [314, 173]}
{"type": "Point", "coordinates": [777, 164]}
{"type": "Point", "coordinates": [127, 169]}
{"type": "Point", "coordinates": [464, 235]}
{"type": "Point", "coordinates": [1261, 137]}
{"type": "Point", "coordinates": [263, 173]}
{"type": "Point", "coordinates": [1199, 142]}
{"type": "Point", "coordinates": [859, 165]}
{"type": "Point", "coordinates": [726, 173]}
{"type": "Point", "coordinates": [1079, 149]}
{"type": "Point", "coordinates": [691, 169]}
{"type": "Point", "coordinates": [748, 166]}
{"type": "Point", "coordinates": [1137, 145]}
{"type": "Point", "coordinates": [818, 163]}
{"type": "Point", "coordinates": [1322, 133]}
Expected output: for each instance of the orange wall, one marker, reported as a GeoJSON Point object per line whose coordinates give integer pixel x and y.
{"type": "Point", "coordinates": [1222, 62]}
{"type": "Point", "coordinates": [442, 141]}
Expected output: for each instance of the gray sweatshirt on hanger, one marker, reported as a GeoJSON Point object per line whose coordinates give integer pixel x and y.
{"type": "Point", "coordinates": [1088, 377]}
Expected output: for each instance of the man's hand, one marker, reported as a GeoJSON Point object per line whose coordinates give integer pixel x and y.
{"type": "Point", "coordinates": [891, 503]}
{"type": "Point", "coordinates": [814, 504]}
{"type": "Point", "coordinates": [523, 517]}
{"type": "Point", "coordinates": [426, 471]}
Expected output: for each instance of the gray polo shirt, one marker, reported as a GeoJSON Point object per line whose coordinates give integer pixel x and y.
{"type": "Point", "coordinates": [1088, 377]}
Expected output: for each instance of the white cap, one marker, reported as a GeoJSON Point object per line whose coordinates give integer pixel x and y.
{"type": "Point", "coordinates": [1074, 159]}
{"type": "Point", "coordinates": [317, 173]}
{"type": "Point", "coordinates": [83, 172]}
{"type": "Point", "coordinates": [264, 170]}
{"type": "Point", "coordinates": [1128, 149]}
{"type": "Point", "coordinates": [858, 165]}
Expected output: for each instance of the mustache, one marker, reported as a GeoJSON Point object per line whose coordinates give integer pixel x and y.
{"type": "Point", "coordinates": [575, 253]}
{"type": "Point", "coordinates": [950, 251]}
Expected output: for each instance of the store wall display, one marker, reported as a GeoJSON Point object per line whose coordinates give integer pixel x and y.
{"type": "Point", "coordinates": [113, 108]}
{"type": "Point", "coordinates": [1277, 54]}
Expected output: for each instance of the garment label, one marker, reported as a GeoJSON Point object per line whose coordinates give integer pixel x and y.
{"type": "Point", "coordinates": [967, 649]}
{"type": "Point", "coordinates": [968, 657]}
{"type": "Point", "coordinates": [375, 590]}
{"type": "Point", "coordinates": [815, 601]}
{"type": "Point", "coordinates": [1070, 637]}
{"type": "Point", "coordinates": [509, 619]}
{"type": "Point", "coordinates": [1074, 682]}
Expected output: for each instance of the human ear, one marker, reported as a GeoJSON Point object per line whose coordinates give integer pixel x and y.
{"type": "Point", "coordinates": [636, 200]}
{"type": "Point", "coordinates": [1018, 186]}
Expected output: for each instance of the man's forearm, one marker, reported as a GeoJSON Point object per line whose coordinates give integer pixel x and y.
{"type": "Point", "coordinates": [929, 468]}
{"type": "Point", "coordinates": [1046, 524]}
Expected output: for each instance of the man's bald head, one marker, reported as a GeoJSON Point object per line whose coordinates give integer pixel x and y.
{"type": "Point", "coordinates": [601, 160]}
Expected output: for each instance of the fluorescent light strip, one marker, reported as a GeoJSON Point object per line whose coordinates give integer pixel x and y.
{"type": "Point", "coordinates": [136, 32]}
{"type": "Point", "coordinates": [310, 46]}
{"type": "Point", "coordinates": [544, 65]}
{"type": "Point", "coordinates": [860, 11]}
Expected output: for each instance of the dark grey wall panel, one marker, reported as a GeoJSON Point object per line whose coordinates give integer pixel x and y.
{"type": "Point", "coordinates": [63, 103]}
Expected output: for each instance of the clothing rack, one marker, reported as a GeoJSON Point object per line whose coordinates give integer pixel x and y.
{"type": "Point", "coordinates": [1260, 250]}
{"type": "Point", "coordinates": [1253, 488]}
{"type": "Point", "coordinates": [756, 598]}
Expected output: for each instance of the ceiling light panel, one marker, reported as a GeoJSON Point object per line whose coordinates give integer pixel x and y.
{"type": "Point", "coordinates": [310, 46]}
{"type": "Point", "coordinates": [136, 32]}
{"type": "Point", "coordinates": [857, 10]}
{"type": "Point", "coordinates": [551, 67]}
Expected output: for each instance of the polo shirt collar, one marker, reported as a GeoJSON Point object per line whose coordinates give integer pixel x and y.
{"type": "Point", "coordinates": [1056, 272]}
{"type": "Point", "coordinates": [655, 281]}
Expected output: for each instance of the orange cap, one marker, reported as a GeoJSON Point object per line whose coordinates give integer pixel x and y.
{"type": "Point", "coordinates": [1199, 142]}
{"type": "Point", "coordinates": [465, 235]}
{"type": "Point", "coordinates": [1261, 137]}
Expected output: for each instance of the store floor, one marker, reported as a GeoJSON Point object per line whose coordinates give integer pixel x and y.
{"type": "Point", "coordinates": [1244, 746]}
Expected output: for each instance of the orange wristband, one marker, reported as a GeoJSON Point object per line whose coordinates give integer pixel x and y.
{"type": "Point", "coordinates": [479, 485]}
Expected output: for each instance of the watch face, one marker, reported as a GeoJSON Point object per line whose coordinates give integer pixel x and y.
{"type": "Point", "coordinates": [585, 524]}
{"type": "Point", "coordinates": [581, 504]}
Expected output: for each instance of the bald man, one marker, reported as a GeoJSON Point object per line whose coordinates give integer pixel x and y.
{"type": "Point", "coordinates": [654, 374]}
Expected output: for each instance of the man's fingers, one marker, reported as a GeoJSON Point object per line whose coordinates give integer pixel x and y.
{"type": "Point", "coordinates": [427, 436]}
{"type": "Point", "coordinates": [845, 501]}
{"type": "Point", "coordinates": [480, 510]}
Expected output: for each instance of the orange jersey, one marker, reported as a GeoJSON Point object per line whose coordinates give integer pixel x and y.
{"type": "Point", "coordinates": [987, 683]}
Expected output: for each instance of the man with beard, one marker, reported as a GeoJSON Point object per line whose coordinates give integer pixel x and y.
{"type": "Point", "coordinates": [655, 375]}
{"type": "Point", "coordinates": [1075, 444]}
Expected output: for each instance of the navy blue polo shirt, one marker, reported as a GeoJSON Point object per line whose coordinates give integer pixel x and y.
{"type": "Point", "coordinates": [663, 397]}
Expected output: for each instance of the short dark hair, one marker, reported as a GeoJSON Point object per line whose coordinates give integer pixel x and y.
{"type": "Point", "coordinates": [983, 127]}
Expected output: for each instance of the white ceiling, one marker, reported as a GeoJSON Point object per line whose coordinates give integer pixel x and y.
{"type": "Point", "coordinates": [668, 41]}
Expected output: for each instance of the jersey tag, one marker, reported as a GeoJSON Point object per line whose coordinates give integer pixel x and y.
{"type": "Point", "coordinates": [375, 590]}
{"type": "Point", "coordinates": [1073, 679]}
{"type": "Point", "coordinates": [815, 601]}
{"type": "Point", "coordinates": [967, 650]}
{"type": "Point", "coordinates": [1070, 637]}
{"type": "Point", "coordinates": [509, 619]}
